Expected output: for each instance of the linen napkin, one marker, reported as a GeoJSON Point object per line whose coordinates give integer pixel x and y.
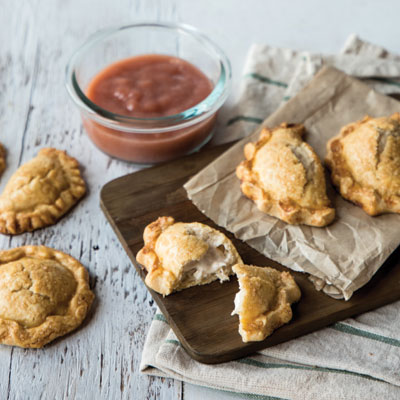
{"type": "Point", "coordinates": [358, 358]}
{"type": "Point", "coordinates": [273, 75]}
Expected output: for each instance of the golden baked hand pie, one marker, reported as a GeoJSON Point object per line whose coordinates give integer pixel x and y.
{"type": "Point", "coordinates": [365, 163]}
{"type": "Point", "coordinates": [285, 178]}
{"type": "Point", "coordinates": [263, 301]}
{"type": "Point", "coordinates": [40, 192]}
{"type": "Point", "coordinates": [2, 158]}
{"type": "Point", "coordinates": [44, 294]}
{"type": "Point", "coordinates": [178, 255]}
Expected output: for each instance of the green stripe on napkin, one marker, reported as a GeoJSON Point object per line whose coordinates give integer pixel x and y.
{"type": "Point", "coordinates": [159, 317]}
{"type": "Point", "coordinates": [173, 341]}
{"type": "Point", "coordinates": [265, 79]}
{"type": "Point", "coordinates": [260, 364]}
{"type": "Point", "coordinates": [359, 332]}
{"type": "Point", "coordinates": [386, 80]}
{"type": "Point", "coordinates": [244, 118]}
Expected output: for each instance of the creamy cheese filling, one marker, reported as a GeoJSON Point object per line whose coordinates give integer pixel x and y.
{"type": "Point", "coordinates": [239, 298]}
{"type": "Point", "coordinates": [210, 264]}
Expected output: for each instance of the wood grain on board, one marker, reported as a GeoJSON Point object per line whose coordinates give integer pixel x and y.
{"type": "Point", "coordinates": [201, 316]}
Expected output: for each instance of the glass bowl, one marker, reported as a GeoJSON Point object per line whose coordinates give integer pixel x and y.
{"type": "Point", "coordinates": [149, 140]}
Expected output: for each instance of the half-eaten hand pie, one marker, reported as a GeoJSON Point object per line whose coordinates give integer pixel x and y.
{"type": "Point", "coordinates": [44, 294]}
{"type": "Point", "coordinates": [285, 178]}
{"type": "Point", "coordinates": [40, 192]}
{"type": "Point", "coordinates": [263, 301]}
{"type": "Point", "coordinates": [365, 163]}
{"type": "Point", "coordinates": [178, 255]}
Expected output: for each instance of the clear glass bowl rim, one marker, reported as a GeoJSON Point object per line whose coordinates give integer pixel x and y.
{"type": "Point", "coordinates": [184, 119]}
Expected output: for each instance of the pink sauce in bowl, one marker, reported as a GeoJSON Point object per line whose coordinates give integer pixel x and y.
{"type": "Point", "coordinates": [150, 108]}
{"type": "Point", "coordinates": [149, 86]}
{"type": "Point", "coordinates": [149, 148]}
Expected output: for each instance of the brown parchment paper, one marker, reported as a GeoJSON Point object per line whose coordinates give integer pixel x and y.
{"type": "Point", "coordinates": [341, 257]}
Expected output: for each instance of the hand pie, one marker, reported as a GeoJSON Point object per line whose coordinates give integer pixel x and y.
{"type": "Point", "coordinates": [44, 294]}
{"type": "Point", "coordinates": [365, 163]}
{"type": "Point", "coordinates": [263, 301]}
{"type": "Point", "coordinates": [179, 255]}
{"type": "Point", "coordinates": [285, 178]}
{"type": "Point", "coordinates": [2, 158]}
{"type": "Point", "coordinates": [40, 192]}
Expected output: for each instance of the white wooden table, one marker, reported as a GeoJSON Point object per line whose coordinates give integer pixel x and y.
{"type": "Point", "coordinates": [101, 360]}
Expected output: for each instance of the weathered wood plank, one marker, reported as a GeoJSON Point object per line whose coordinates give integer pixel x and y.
{"type": "Point", "coordinates": [101, 360]}
{"type": "Point", "coordinates": [17, 82]}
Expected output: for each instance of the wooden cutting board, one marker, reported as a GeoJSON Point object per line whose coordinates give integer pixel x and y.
{"type": "Point", "coordinates": [201, 316]}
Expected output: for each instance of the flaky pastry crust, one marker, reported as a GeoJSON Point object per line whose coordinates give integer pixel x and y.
{"type": "Point", "coordinates": [364, 160]}
{"type": "Point", "coordinates": [172, 249]}
{"type": "Point", "coordinates": [2, 158]}
{"type": "Point", "coordinates": [285, 178]}
{"type": "Point", "coordinates": [44, 294]}
{"type": "Point", "coordinates": [40, 192]}
{"type": "Point", "coordinates": [263, 301]}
